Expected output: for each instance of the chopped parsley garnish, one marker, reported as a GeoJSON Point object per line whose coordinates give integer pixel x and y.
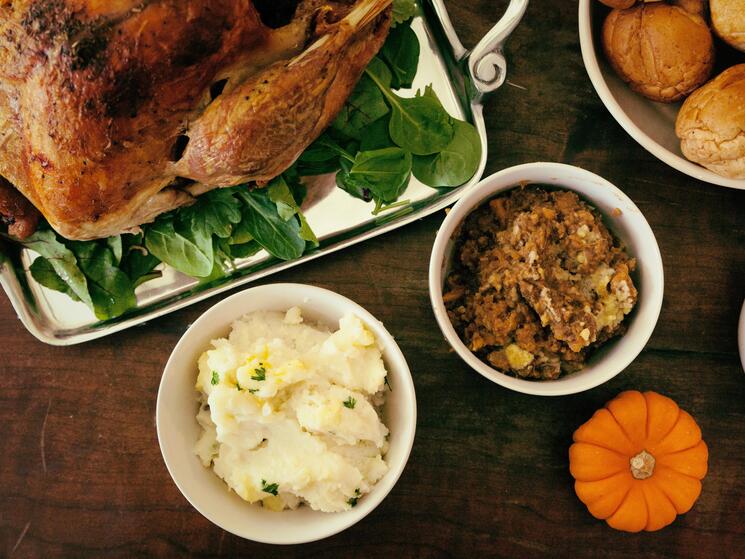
{"type": "Point", "coordinates": [270, 488]}
{"type": "Point", "coordinates": [238, 385]}
{"type": "Point", "coordinates": [260, 373]}
{"type": "Point", "coordinates": [350, 403]}
{"type": "Point", "coordinates": [253, 390]}
{"type": "Point", "coordinates": [215, 378]}
{"type": "Point", "coordinates": [352, 501]}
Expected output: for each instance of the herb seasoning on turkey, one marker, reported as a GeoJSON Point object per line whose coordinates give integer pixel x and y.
{"type": "Point", "coordinates": [538, 282]}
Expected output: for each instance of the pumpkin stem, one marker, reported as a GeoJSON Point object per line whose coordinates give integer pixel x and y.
{"type": "Point", "coordinates": [642, 465]}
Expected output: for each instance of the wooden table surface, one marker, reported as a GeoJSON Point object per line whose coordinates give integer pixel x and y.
{"type": "Point", "coordinates": [80, 469]}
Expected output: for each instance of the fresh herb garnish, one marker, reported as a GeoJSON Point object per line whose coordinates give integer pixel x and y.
{"type": "Point", "coordinates": [253, 390]}
{"type": "Point", "coordinates": [259, 373]}
{"type": "Point", "coordinates": [269, 488]}
{"type": "Point", "coordinates": [350, 403]}
{"type": "Point", "coordinates": [215, 378]}
{"type": "Point", "coordinates": [352, 501]}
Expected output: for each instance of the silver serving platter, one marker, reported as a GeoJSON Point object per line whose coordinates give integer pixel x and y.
{"type": "Point", "coordinates": [461, 79]}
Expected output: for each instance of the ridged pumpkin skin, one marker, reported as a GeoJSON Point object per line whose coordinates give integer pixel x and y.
{"type": "Point", "coordinates": [638, 462]}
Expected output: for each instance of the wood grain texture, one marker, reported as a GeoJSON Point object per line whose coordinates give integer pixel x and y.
{"type": "Point", "coordinates": [80, 470]}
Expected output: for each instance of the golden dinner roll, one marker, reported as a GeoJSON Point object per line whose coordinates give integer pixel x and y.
{"type": "Point", "coordinates": [663, 52]}
{"type": "Point", "coordinates": [711, 124]}
{"type": "Point", "coordinates": [728, 20]}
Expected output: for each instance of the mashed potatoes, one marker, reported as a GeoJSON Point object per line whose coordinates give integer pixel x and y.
{"type": "Point", "coordinates": [290, 411]}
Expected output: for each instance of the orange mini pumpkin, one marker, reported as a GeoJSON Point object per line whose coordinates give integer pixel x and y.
{"type": "Point", "coordinates": [638, 462]}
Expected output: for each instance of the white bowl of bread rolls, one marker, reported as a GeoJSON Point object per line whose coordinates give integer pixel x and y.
{"type": "Point", "coordinates": [672, 73]}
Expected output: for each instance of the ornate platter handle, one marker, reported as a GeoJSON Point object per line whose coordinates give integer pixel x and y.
{"type": "Point", "coordinates": [486, 62]}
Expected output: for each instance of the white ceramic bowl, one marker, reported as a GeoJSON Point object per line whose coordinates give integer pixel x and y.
{"type": "Point", "coordinates": [741, 336]}
{"type": "Point", "coordinates": [631, 227]}
{"type": "Point", "coordinates": [649, 123]}
{"type": "Point", "coordinates": [178, 429]}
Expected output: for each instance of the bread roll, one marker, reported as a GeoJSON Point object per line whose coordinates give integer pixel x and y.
{"type": "Point", "coordinates": [728, 20]}
{"type": "Point", "coordinates": [662, 51]}
{"type": "Point", "coordinates": [711, 124]}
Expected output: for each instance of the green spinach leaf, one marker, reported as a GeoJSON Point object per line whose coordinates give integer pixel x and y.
{"type": "Point", "coordinates": [62, 260]}
{"type": "Point", "coordinates": [401, 53]}
{"type": "Point", "coordinates": [115, 244]}
{"type": "Point", "coordinates": [241, 234]}
{"type": "Point", "coordinates": [214, 213]}
{"type": "Point", "coordinates": [43, 272]}
{"type": "Point", "coordinates": [280, 238]}
{"type": "Point", "coordinates": [279, 193]}
{"type": "Point", "coordinates": [377, 136]}
{"type": "Point", "coordinates": [419, 124]}
{"type": "Point", "coordinates": [287, 206]}
{"type": "Point", "coordinates": [380, 74]}
{"type": "Point", "coordinates": [364, 106]}
{"type": "Point", "coordinates": [385, 172]}
{"type": "Point", "coordinates": [318, 159]}
{"type": "Point", "coordinates": [306, 233]}
{"type": "Point", "coordinates": [137, 262]}
{"type": "Point", "coordinates": [295, 182]}
{"type": "Point", "coordinates": [111, 290]}
{"type": "Point", "coordinates": [245, 250]}
{"type": "Point", "coordinates": [454, 165]}
{"type": "Point", "coordinates": [150, 276]}
{"type": "Point", "coordinates": [403, 10]}
{"type": "Point", "coordinates": [351, 186]}
{"type": "Point", "coordinates": [191, 254]}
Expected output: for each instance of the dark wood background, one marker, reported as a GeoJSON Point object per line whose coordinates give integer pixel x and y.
{"type": "Point", "coordinates": [80, 469]}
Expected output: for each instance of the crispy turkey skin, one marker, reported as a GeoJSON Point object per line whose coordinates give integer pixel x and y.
{"type": "Point", "coordinates": [113, 111]}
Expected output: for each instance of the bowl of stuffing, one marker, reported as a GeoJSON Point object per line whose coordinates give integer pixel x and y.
{"type": "Point", "coordinates": [286, 413]}
{"type": "Point", "coordinates": [546, 279]}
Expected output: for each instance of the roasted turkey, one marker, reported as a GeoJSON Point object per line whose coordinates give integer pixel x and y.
{"type": "Point", "coordinates": [115, 111]}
